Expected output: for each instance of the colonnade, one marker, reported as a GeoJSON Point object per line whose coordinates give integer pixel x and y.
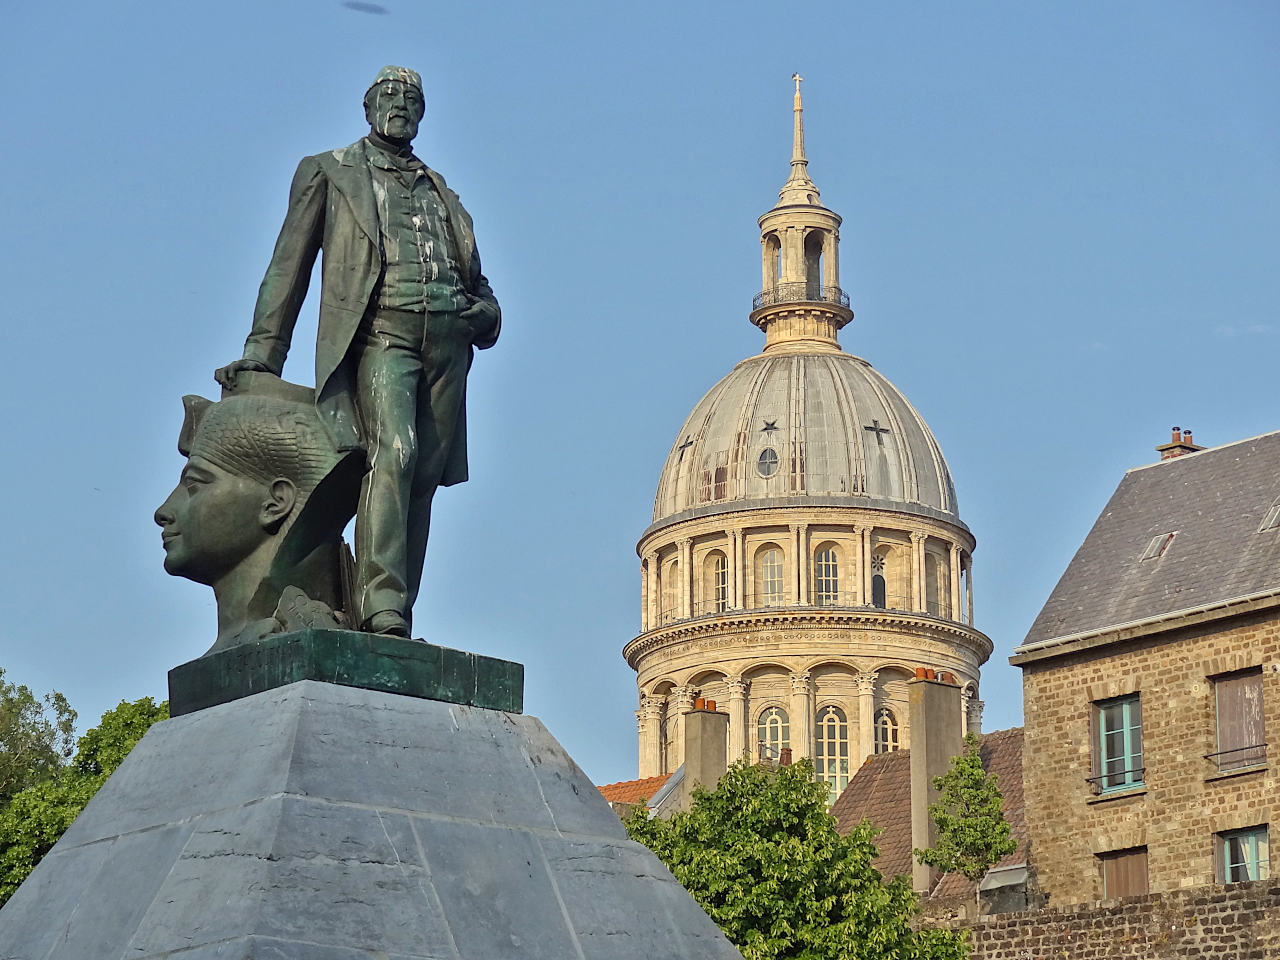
{"type": "Point", "coordinates": [801, 699]}
{"type": "Point", "coordinates": [685, 600]}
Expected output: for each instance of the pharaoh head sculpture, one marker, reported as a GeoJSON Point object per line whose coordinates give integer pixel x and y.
{"type": "Point", "coordinates": [260, 505]}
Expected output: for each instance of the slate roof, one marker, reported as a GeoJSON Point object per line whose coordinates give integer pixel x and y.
{"type": "Point", "coordinates": [633, 791]}
{"type": "Point", "coordinates": [881, 792]}
{"type": "Point", "coordinates": [1214, 501]}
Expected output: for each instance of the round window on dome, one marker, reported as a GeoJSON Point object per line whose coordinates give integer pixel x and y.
{"type": "Point", "coordinates": [767, 463]}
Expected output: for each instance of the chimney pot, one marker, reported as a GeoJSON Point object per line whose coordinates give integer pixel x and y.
{"type": "Point", "coordinates": [1177, 435]}
{"type": "Point", "coordinates": [711, 705]}
{"type": "Point", "coordinates": [1186, 435]}
{"type": "Point", "coordinates": [920, 673]}
{"type": "Point", "coordinates": [930, 674]}
{"type": "Point", "coordinates": [784, 757]}
{"type": "Point", "coordinates": [699, 704]}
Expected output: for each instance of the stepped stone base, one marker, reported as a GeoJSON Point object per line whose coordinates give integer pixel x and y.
{"type": "Point", "coordinates": [324, 822]}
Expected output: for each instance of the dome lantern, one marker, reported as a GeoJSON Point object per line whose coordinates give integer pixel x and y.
{"type": "Point", "coordinates": [800, 305]}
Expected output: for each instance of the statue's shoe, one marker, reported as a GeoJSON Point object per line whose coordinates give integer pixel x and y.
{"type": "Point", "coordinates": [390, 623]}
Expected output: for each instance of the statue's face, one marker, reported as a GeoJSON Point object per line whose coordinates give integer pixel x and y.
{"type": "Point", "coordinates": [394, 109]}
{"type": "Point", "coordinates": [210, 522]}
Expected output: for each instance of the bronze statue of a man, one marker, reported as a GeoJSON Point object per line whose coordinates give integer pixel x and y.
{"type": "Point", "coordinates": [403, 304]}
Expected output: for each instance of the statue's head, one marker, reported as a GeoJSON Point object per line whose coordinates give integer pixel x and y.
{"type": "Point", "coordinates": [252, 464]}
{"type": "Point", "coordinates": [394, 104]}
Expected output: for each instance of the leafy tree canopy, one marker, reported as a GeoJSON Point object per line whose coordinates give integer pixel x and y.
{"type": "Point", "coordinates": [761, 855]}
{"type": "Point", "coordinates": [969, 814]}
{"type": "Point", "coordinates": [34, 819]}
{"type": "Point", "coordinates": [36, 736]}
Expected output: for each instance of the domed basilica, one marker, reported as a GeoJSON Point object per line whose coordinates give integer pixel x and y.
{"type": "Point", "coordinates": [806, 554]}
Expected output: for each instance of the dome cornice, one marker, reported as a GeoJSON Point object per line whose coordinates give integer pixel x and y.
{"type": "Point", "coordinates": [791, 618]}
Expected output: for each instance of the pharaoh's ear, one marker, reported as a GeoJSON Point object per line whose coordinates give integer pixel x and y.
{"type": "Point", "coordinates": [277, 508]}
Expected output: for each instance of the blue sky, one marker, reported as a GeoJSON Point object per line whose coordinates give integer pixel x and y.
{"type": "Point", "coordinates": [1060, 237]}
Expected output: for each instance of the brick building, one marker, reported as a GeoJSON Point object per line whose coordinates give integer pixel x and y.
{"type": "Point", "coordinates": [1151, 683]}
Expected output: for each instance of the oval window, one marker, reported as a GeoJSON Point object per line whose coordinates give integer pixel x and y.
{"type": "Point", "coordinates": [767, 464]}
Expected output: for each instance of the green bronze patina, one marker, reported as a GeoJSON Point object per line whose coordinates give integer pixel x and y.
{"type": "Point", "coordinates": [350, 658]}
{"type": "Point", "coordinates": [403, 307]}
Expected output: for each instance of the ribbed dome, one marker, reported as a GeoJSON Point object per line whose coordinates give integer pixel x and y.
{"type": "Point", "coordinates": [815, 425]}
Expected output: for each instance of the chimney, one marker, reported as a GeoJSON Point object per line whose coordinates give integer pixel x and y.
{"type": "Point", "coordinates": [706, 750]}
{"type": "Point", "coordinates": [935, 739]}
{"type": "Point", "coordinates": [1180, 444]}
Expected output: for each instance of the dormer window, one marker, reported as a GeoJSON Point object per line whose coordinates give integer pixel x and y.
{"type": "Point", "coordinates": [1272, 518]}
{"type": "Point", "coordinates": [1158, 545]}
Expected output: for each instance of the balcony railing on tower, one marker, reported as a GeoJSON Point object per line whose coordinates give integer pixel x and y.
{"type": "Point", "coordinates": [799, 292]}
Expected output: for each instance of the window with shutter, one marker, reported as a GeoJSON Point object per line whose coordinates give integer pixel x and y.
{"type": "Point", "coordinates": [1117, 745]}
{"type": "Point", "coordinates": [1124, 872]}
{"type": "Point", "coordinates": [1241, 737]}
{"type": "Point", "coordinates": [1243, 855]}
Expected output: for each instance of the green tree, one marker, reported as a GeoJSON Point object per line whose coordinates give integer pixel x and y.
{"type": "Point", "coordinates": [33, 820]}
{"type": "Point", "coordinates": [969, 814]}
{"type": "Point", "coordinates": [762, 857]}
{"type": "Point", "coordinates": [37, 736]}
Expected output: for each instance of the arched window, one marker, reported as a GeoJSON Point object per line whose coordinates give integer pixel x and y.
{"type": "Point", "coordinates": [826, 582]}
{"type": "Point", "coordinates": [770, 592]}
{"type": "Point", "coordinates": [718, 581]}
{"type": "Point", "coordinates": [886, 731]}
{"type": "Point", "coordinates": [813, 265]}
{"type": "Point", "coordinates": [773, 733]}
{"type": "Point", "coordinates": [831, 750]}
{"type": "Point", "coordinates": [878, 596]}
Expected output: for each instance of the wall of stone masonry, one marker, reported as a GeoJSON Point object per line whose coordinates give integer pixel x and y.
{"type": "Point", "coordinates": [1239, 922]}
{"type": "Point", "coordinates": [1184, 801]}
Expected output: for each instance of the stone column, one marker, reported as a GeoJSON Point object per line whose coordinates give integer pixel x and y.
{"type": "Point", "coordinates": [830, 259]}
{"type": "Point", "coordinates": [768, 269]}
{"type": "Point", "coordinates": [679, 702]}
{"type": "Point", "coordinates": [968, 593]}
{"type": "Point", "coordinates": [917, 571]}
{"type": "Point", "coordinates": [955, 581]}
{"type": "Point", "coordinates": [739, 571]}
{"type": "Point", "coordinates": [866, 715]}
{"type": "Point", "coordinates": [867, 593]}
{"type": "Point", "coordinates": [649, 717]}
{"type": "Point", "coordinates": [854, 577]}
{"type": "Point", "coordinates": [653, 603]}
{"type": "Point", "coordinates": [801, 715]}
{"type": "Point", "coordinates": [974, 720]}
{"type": "Point", "coordinates": [644, 596]}
{"type": "Point", "coordinates": [800, 536]}
{"type": "Point", "coordinates": [792, 255]}
{"type": "Point", "coordinates": [739, 742]}
{"type": "Point", "coordinates": [686, 578]}
{"type": "Point", "coordinates": [964, 711]}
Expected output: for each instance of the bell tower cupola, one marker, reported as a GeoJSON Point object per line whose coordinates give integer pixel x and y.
{"type": "Point", "coordinates": [800, 306]}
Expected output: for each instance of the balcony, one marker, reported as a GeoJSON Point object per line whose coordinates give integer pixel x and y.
{"type": "Point", "coordinates": [799, 292]}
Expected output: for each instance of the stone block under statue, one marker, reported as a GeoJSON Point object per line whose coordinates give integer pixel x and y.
{"type": "Point", "coordinates": [370, 661]}
{"type": "Point", "coordinates": [320, 821]}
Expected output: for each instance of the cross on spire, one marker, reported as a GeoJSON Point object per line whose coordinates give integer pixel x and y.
{"type": "Point", "coordinates": [683, 447]}
{"type": "Point", "coordinates": [797, 139]}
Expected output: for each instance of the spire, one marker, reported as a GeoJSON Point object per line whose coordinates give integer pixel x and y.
{"type": "Point", "coordinates": [798, 188]}
{"type": "Point", "coordinates": [800, 306]}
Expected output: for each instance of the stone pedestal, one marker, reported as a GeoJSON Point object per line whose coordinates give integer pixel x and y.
{"type": "Point", "coordinates": [350, 658]}
{"type": "Point", "coordinates": [317, 821]}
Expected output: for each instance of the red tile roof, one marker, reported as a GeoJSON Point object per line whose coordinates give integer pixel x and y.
{"type": "Point", "coordinates": [633, 791]}
{"type": "Point", "coordinates": [881, 792]}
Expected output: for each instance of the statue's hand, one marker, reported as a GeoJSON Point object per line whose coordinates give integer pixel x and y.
{"type": "Point", "coordinates": [226, 376]}
{"type": "Point", "coordinates": [482, 316]}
